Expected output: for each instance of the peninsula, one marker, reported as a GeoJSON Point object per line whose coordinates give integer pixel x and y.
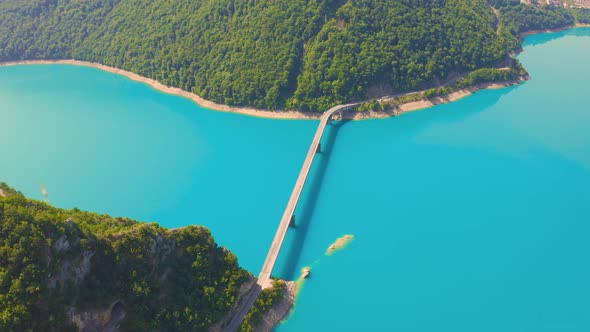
{"type": "Point", "coordinates": [68, 270]}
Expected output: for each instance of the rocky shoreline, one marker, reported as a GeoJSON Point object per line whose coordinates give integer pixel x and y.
{"type": "Point", "coordinates": [174, 91]}
{"type": "Point", "coordinates": [280, 310]}
{"type": "Point", "coordinates": [272, 317]}
{"type": "Point", "coordinates": [287, 115]}
{"type": "Point", "coordinates": [400, 109]}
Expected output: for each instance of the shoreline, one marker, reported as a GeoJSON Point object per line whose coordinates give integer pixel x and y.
{"type": "Point", "coordinates": [278, 312]}
{"type": "Point", "coordinates": [297, 115]}
{"type": "Point", "coordinates": [535, 32]}
{"type": "Point", "coordinates": [290, 115]}
{"type": "Point", "coordinates": [271, 318]}
{"type": "Point", "coordinates": [424, 104]}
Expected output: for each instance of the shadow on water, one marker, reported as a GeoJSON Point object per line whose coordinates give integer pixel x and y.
{"type": "Point", "coordinates": [452, 112]}
{"type": "Point", "coordinates": [306, 207]}
{"type": "Point", "coordinates": [399, 126]}
{"type": "Point", "coordinates": [543, 38]}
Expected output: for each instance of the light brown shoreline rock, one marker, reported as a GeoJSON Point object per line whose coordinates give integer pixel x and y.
{"type": "Point", "coordinates": [339, 243]}
{"type": "Point", "coordinates": [401, 109]}
{"type": "Point", "coordinates": [279, 311]}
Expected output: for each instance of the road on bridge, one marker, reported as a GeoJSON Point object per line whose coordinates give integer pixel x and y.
{"type": "Point", "coordinates": [264, 280]}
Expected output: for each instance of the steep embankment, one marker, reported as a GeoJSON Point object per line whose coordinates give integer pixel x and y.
{"type": "Point", "coordinates": [66, 270]}
{"type": "Point", "coordinates": [269, 54]}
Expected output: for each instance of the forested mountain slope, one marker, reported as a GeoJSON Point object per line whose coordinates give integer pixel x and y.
{"type": "Point", "coordinates": [303, 54]}
{"type": "Point", "coordinates": [61, 266]}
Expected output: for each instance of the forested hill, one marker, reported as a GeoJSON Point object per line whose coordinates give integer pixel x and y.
{"type": "Point", "coordinates": [273, 54]}
{"type": "Point", "coordinates": [62, 268]}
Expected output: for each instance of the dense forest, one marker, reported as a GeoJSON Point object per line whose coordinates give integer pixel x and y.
{"type": "Point", "coordinates": [583, 16]}
{"type": "Point", "coordinates": [297, 54]}
{"type": "Point", "coordinates": [523, 18]}
{"type": "Point", "coordinates": [56, 262]}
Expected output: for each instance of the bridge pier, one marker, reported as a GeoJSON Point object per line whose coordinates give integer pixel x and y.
{"type": "Point", "coordinates": [319, 149]}
{"type": "Point", "coordinates": [292, 221]}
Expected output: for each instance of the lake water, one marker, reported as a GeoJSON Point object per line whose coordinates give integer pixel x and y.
{"type": "Point", "coordinates": [470, 216]}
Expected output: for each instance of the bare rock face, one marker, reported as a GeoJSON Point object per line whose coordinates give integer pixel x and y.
{"type": "Point", "coordinates": [62, 244]}
{"type": "Point", "coordinates": [244, 290]}
{"type": "Point", "coordinates": [272, 317]}
{"type": "Point", "coordinates": [75, 270]}
{"type": "Point", "coordinates": [280, 310]}
{"type": "Point", "coordinates": [98, 320]}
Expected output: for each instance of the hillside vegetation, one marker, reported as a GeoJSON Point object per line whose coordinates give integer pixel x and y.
{"type": "Point", "coordinates": [274, 54]}
{"type": "Point", "coordinates": [55, 263]}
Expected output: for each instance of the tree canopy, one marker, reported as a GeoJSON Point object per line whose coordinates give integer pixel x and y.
{"type": "Point", "coordinates": [168, 280]}
{"type": "Point", "coordinates": [297, 54]}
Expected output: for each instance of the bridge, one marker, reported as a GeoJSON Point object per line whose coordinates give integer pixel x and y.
{"type": "Point", "coordinates": [288, 219]}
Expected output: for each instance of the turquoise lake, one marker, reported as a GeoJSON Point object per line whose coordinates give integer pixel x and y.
{"type": "Point", "coordinates": [470, 216]}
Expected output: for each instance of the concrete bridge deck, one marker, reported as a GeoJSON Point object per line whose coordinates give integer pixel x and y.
{"type": "Point", "coordinates": [288, 219]}
{"type": "Point", "coordinates": [289, 214]}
